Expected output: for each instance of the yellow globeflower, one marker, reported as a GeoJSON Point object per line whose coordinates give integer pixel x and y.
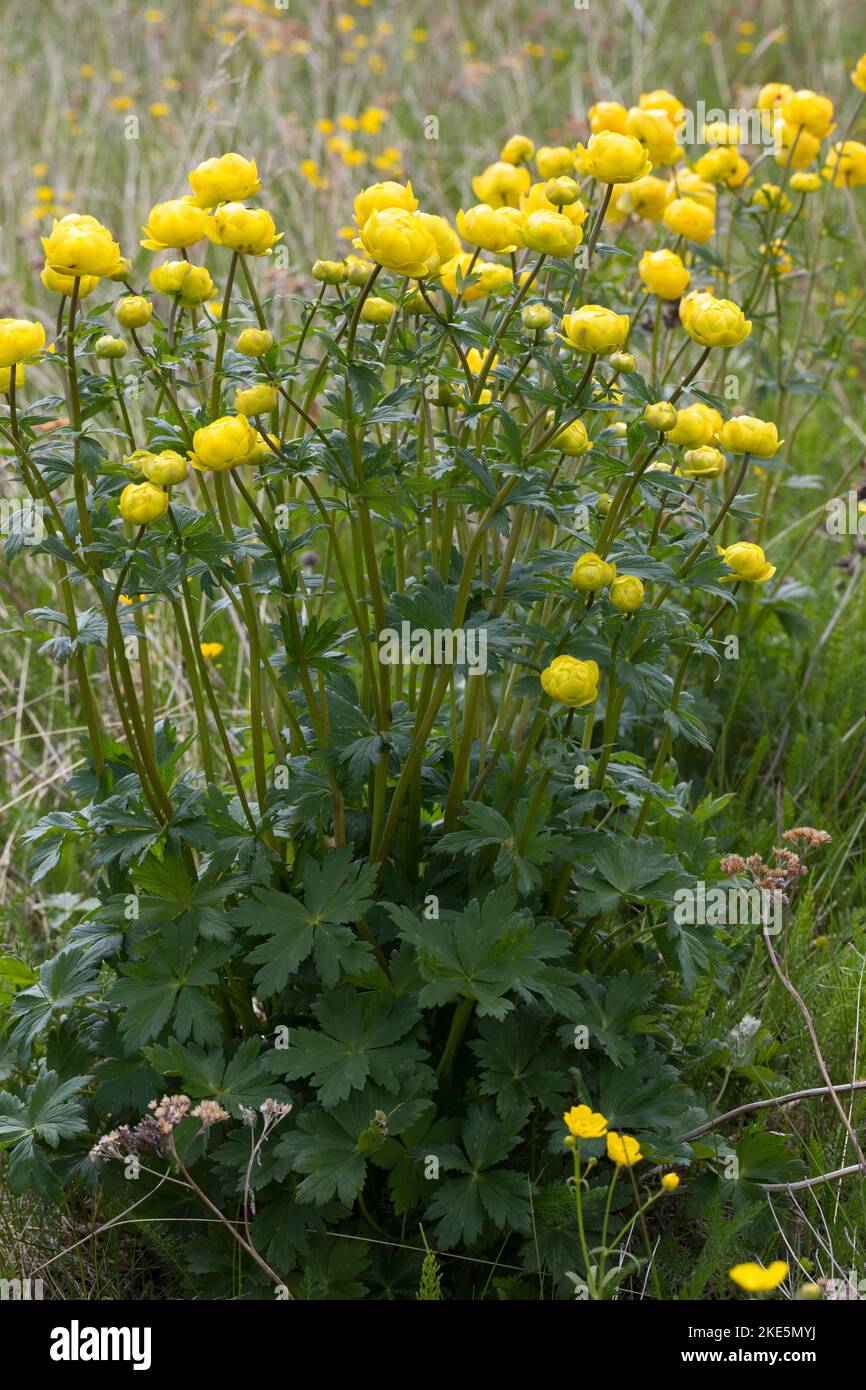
{"type": "Point", "coordinates": [570, 681]}
{"type": "Point", "coordinates": [662, 100]}
{"type": "Point", "coordinates": [563, 191]}
{"type": "Point", "coordinates": [377, 311]}
{"type": "Point", "coordinates": [748, 562]}
{"type": "Point", "coordinates": [623, 1149]}
{"type": "Point", "coordinates": [190, 283]}
{"type": "Point", "coordinates": [210, 650]}
{"type": "Point", "coordinates": [661, 415]}
{"type": "Point", "coordinates": [259, 399]}
{"type": "Point", "coordinates": [626, 593]}
{"type": "Point", "coordinates": [175, 224]}
{"type": "Point", "coordinates": [739, 173]}
{"type": "Point", "coordinates": [805, 181]}
{"type": "Point", "coordinates": [846, 164]}
{"type": "Point", "coordinates": [796, 148]}
{"type": "Point", "coordinates": [387, 194]}
{"type": "Point", "coordinates": [65, 284]}
{"type": "Point", "coordinates": [502, 184]}
{"type": "Point", "coordinates": [448, 243]}
{"type": "Point", "coordinates": [550, 233]}
{"type": "Point", "coordinates": [79, 245]}
{"type": "Point", "coordinates": [223, 444]}
{"type": "Point", "coordinates": [493, 229]}
{"type": "Point", "coordinates": [607, 115]}
{"type": "Point", "coordinates": [228, 178]}
{"type": "Point", "coordinates": [670, 1182]}
{"type": "Point", "coordinates": [746, 434]}
{"type": "Point", "coordinates": [143, 502]}
{"type": "Point", "coordinates": [6, 378]}
{"type": "Point", "coordinates": [717, 323]}
{"type": "Point", "coordinates": [399, 241]}
{"type": "Point", "coordinates": [688, 184]}
{"type": "Point", "coordinates": [753, 1278]}
{"type": "Point", "coordinates": [646, 197]}
{"type": "Point", "coordinates": [613, 158]}
{"type": "Point", "coordinates": [537, 200]}
{"type": "Point", "coordinates": [255, 342]}
{"type": "Point", "coordinates": [552, 160]}
{"type": "Point", "coordinates": [664, 274]}
{"type": "Point", "coordinates": [165, 468]}
{"type": "Point", "coordinates": [809, 110]}
{"type": "Point", "coordinates": [250, 231]}
{"type": "Point", "coordinates": [655, 131]}
{"type": "Point", "coordinates": [717, 165]}
{"type": "Point", "coordinates": [19, 338]}
{"type": "Point", "coordinates": [133, 311]}
{"type": "Point", "coordinates": [584, 1123]}
{"type": "Point", "coordinates": [573, 440]}
{"type": "Point", "coordinates": [770, 195]}
{"type": "Point", "coordinates": [693, 429]}
{"type": "Point", "coordinates": [517, 150]}
{"type": "Point", "coordinates": [329, 272]}
{"type": "Point", "coordinates": [595, 329]}
{"type": "Point", "coordinates": [858, 76]}
{"type": "Point", "coordinates": [591, 573]}
{"type": "Point", "coordinates": [772, 95]}
{"type": "Point", "coordinates": [705, 462]}
{"type": "Point", "coordinates": [690, 219]}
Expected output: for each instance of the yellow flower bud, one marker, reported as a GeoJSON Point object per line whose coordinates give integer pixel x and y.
{"type": "Point", "coordinates": [664, 274]}
{"type": "Point", "coordinates": [746, 434]}
{"type": "Point", "coordinates": [570, 681]}
{"type": "Point", "coordinates": [661, 416]}
{"type": "Point", "coordinates": [329, 272]}
{"type": "Point", "coordinates": [517, 150]}
{"type": "Point", "coordinates": [623, 362]}
{"type": "Point", "coordinates": [376, 310]}
{"type": "Point", "coordinates": [109, 347]}
{"type": "Point", "coordinates": [693, 429]}
{"type": "Point", "coordinates": [493, 229]}
{"type": "Point", "coordinates": [591, 573]}
{"type": "Point", "coordinates": [613, 158]}
{"type": "Point", "coordinates": [223, 444]}
{"type": "Point", "coordinates": [562, 191]}
{"type": "Point", "coordinates": [19, 338]}
{"type": "Point", "coordinates": [772, 94]}
{"type": "Point", "coordinates": [79, 245]}
{"type": "Point", "coordinates": [717, 165]}
{"type": "Point", "coordinates": [255, 342]}
{"type": "Point", "coordinates": [670, 1182]}
{"type": "Point", "coordinates": [165, 468]}
{"type": "Point", "coordinates": [770, 195]}
{"type": "Point", "coordinates": [550, 233]}
{"type": "Point", "coordinates": [191, 284]}
{"type": "Point", "coordinates": [573, 440]}
{"type": "Point", "coordinates": [143, 502]}
{"type": "Point", "coordinates": [595, 329]}
{"type": "Point", "coordinates": [748, 562]}
{"type": "Point", "coordinates": [796, 148]}
{"type": "Point", "coordinates": [705, 462]}
{"type": "Point", "coordinates": [663, 100]}
{"type": "Point", "coordinates": [717, 323]}
{"type": "Point", "coordinates": [553, 160]}
{"type": "Point", "coordinates": [133, 311]}
{"type": "Point", "coordinates": [175, 224]}
{"type": "Point", "coordinates": [607, 115]}
{"type": "Point", "coordinates": [227, 179]}
{"type": "Point", "coordinates": [536, 316]}
{"type": "Point", "coordinates": [259, 399]}
{"type": "Point", "coordinates": [626, 593]}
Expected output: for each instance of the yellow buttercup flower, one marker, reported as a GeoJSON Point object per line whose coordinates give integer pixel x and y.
{"type": "Point", "coordinates": [693, 429]}
{"type": "Point", "coordinates": [753, 1278]}
{"type": "Point", "coordinates": [573, 440]}
{"type": "Point", "coordinates": [255, 342]}
{"type": "Point", "coordinates": [79, 245]}
{"type": "Point", "coordinates": [613, 158]}
{"type": "Point", "coordinates": [591, 573]}
{"type": "Point", "coordinates": [259, 399]}
{"type": "Point", "coordinates": [210, 650]}
{"type": "Point", "coordinates": [595, 329]}
{"type": "Point", "coordinates": [584, 1123]}
{"type": "Point", "coordinates": [228, 178]}
{"type": "Point", "coordinates": [387, 194]}
{"type": "Point", "coordinates": [746, 434]}
{"type": "Point", "coordinates": [552, 160]}
{"type": "Point", "coordinates": [399, 241]}
{"type": "Point", "coordinates": [223, 444]}
{"type": "Point", "coordinates": [517, 150]}
{"type": "Point", "coordinates": [690, 219]}
{"type": "Point", "coordinates": [670, 1182]}
{"type": "Point", "coordinates": [175, 224]}
{"type": "Point", "coordinates": [748, 562]}
{"type": "Point", "coordinates": [717, 322]}
{"type": "Point", "coordinates": [249, 231]}
{"type": "Point", "coordinates": [164, 468]}
{"type": "Point", "coordinates": [143, 502]}
{"type": "Point", "coordinates": [133, 311]}
{"type": "Point", "coordinates": [19, 339]}
{"type": "Point", "coordinates": [809, 110]}
{"type": "Point", "coordinates": [626, 593]}
{"type": "Point", "coordinates": [664, 274]}
{"type": "Point", "coordinates": [65, 284]}
{"type": "Point", "coordinates": [705, 462]}
{"type": "Point", "coordinates": [689, 184]}
{"type": "Point", "coordinates": [623, 1149]}
{"type": "Point", "coordinates": [846, 164]}
{"type": "Point", "coordinates": [550, 233]}
{"type": "Point", "coordinates": [493, 229]}
{"type": "Point", "coordinates": [191, 284]}
{"type": "Point", "coordinates": [502, 183]}
{"type": "Point", "coordinates": [571, 682]}
{"type": "Point", "coordinates": [607, 115]}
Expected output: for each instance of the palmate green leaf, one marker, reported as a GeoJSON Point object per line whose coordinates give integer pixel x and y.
{"type": "Point", "coordinates": [49, 1111]}
{"type": "Point", "coordinates": [461, 1205]}
{"type": "Point", "coordinates": [519, 1067]}
{"type": "Point", "coordinates": [627, 870]}
{"type": "Point", "coordinates": [487, 953]}
{"type": "Point", "coordinates": [242, 1080]}
{"type": "Point", "coordinates": [170, 985]}
{"type": "Point", "coordinates": [610, 1009]}
{"type": "Point", "coordinates": [360, 1037]}
{"type": "Point", "coordinates": [336, 891]}
{"type": "Point", "coordinates": [63, 980]}
{"type": "Point", "coordinates": [325, 1146]}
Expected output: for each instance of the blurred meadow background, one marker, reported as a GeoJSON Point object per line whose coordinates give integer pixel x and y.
{"type": "Point", "coordinates": [108, 104]}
